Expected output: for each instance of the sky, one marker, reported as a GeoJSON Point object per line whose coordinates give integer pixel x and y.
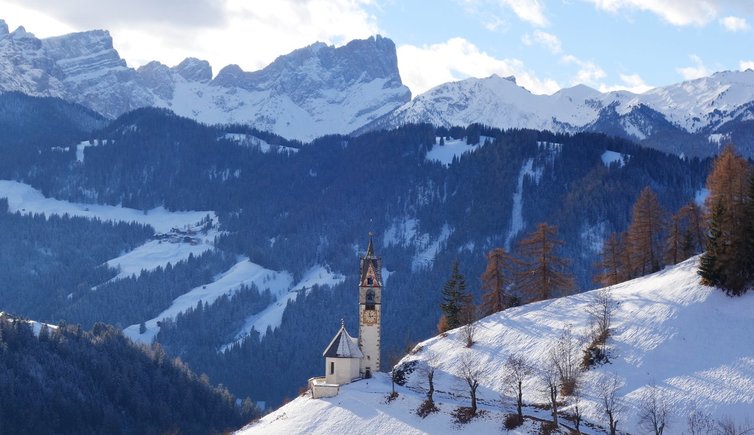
{"type": "Point", "coordinates": [547, 45]}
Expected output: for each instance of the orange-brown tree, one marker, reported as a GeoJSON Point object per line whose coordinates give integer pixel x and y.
{"type": "Point", "coordinates": [693, 219]}
{"type": "Point", "coordinates": [685, 234]}
{"type": "Point", "coordinates": [724, 263]}
{"type": "Point", "coordinates": [674, 245]}
{"type": "Point", "coordinates": [544, 273]}
{"type": "Point", "coordinates": [646, 233]}
{"type": "Point", "coordinates": [610, 267]}
{"type": "Point", "coordinates": [496, 279]}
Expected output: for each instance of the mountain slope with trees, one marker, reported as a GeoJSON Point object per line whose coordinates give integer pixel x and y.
{"type": "Point", "coordinates": [678, 354]}
{"type": "Point", "coordinates": [62, 379]}
{"type": "Point", "coordinates": [289, 207]}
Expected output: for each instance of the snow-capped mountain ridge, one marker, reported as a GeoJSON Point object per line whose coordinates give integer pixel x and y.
{"type": "Point", "coordinates": [308, 93]}
{"type": "Point", "coordinates": [693, 107]}
{"type": "Point", "coordinates": [320, 89]}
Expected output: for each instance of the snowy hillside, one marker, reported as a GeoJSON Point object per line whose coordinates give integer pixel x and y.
{"type": "Point", "coordinates": [305, 94]}
{"type": "Point", "coordinates": [700, 107]}
{"type": "Point", "coordinates": [178, 236]}
{"type": "Point", "coordinates": [692, 342]}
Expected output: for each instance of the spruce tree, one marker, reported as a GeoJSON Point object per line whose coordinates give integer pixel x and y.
{"type": "Point", "coordinates": [455, 298]}
{"type": "Point", "coordinates": [544, 273]}
{"type": "Point", "coordinates": [709, 264]}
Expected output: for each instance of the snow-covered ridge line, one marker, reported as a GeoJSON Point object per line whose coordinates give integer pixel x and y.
{"type": "Point", "coordinates": [35, 326]}
{"type": "Point", "coordinates": [691, 341]}
{"type": "Point", "coordinates": [697, 106]}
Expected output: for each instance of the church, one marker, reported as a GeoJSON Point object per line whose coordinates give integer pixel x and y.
{"type": "Point", "coordinates": [347, 358]}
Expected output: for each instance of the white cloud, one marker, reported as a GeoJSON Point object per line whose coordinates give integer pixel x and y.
{"type": "Point", "coordinates": [676, 12]}
{"type": "Point", "coordinates": [251, 34]}
{"type": "Point", "coordinates": [425, 67]}
{"type": "Point", "coordinates": [734, 24]}
{"type": "Point", "coordinates": [531, 11]}
{"type": "Point", "coordinates": [746, 64]}
{"type": "Point", "coordinates": [544, 39]}
{"type": "Point", "coordinates": [90, 14]}
{"type": "Point", "coordinates": [699, 69]}
{"type": "Point", "coordinates": [588, 73]}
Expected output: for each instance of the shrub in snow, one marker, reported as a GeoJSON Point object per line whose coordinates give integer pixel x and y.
{"type": "Point", "coordinates": [427, 407]}
{"type": "Point", "coordinates": [513, 421]}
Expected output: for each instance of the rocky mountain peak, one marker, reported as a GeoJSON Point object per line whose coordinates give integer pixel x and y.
{"type": "Point", "coordinates": [3, 28]}
{"type": "Point", "coordinates": [230, 76]}
{"type": "Point", "coordinates": [316, 90]}
{"type": "Point", "coordinates": [193, 69]}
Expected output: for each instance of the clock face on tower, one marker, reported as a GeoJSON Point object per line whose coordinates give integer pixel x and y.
{"type": "Point", "coordinates": [370, 317]}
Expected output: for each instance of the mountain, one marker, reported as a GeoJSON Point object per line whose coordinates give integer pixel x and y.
{"type": "Point", "coordinates": [235, 249]}
{"type": "Point", "coordinates": [693, 117]}
{"type": "Point", "coordinates": [688, 343]}
{"type": "Point", "coordinates": [305, 94]}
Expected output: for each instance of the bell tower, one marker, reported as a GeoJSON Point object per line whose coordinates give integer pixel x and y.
{"type": "Point", "coordinates": [370, 310]}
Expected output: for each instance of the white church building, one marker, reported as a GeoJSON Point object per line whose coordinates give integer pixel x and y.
{"type": "Point", "coordinates": [347, 358]}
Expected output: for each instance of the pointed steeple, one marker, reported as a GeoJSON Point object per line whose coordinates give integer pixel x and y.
{"type": "Point", "coordinates": [370, 247]}
{"type": "Point", "coordinates": [371, 267]}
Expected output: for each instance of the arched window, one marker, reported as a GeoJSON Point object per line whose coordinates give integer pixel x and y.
{"type": "Point", "coordinates": [370, 299]}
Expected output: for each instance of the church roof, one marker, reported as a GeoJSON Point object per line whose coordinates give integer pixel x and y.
{"type": "Point", "coordinates": [343, 346]}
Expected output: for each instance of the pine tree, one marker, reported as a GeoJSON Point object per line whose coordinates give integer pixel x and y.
{"type": "Point", "coordinates": [495, 280]}
{"type": "Point", "coordinates": [455, 299]}
{"type": "Point", "coordinates": [709, 264]}
{"type": "Point", "coordinates": [645, 233]}
{"type": "Point", "coordinates": [544, 273]}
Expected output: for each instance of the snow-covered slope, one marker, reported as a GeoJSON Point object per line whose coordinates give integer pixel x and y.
{"type": "Point", "coordinates": [700, 106]}
{"type": "Point", "coordinates": [692, 342]}
{"type": "Point", "coordinates": [310, 92]}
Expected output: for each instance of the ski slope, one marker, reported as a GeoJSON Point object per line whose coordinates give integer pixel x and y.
{"type": "Point", "coordinates": [691, 341]}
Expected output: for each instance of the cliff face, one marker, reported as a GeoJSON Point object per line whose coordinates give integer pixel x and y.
{"type": "Point", "coordinates": [310, 92]}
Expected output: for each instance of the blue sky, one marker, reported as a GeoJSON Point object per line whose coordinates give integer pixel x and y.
{"type": "Point", "coordinates": [605, 44]}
